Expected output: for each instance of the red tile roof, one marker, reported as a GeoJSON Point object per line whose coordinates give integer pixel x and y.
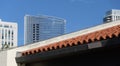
{"type": "Point", "coordinates": [83, 39]}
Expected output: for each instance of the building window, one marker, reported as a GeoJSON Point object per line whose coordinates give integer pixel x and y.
{"type": "Point", "coordinates": [37, 25]}
{"type": "Point", "coordinates": [12, 34]}
{"type": "Point", "coordinates": [5, 34]}
{"type": "Point", "coordinates": [33, 25]}
{"type": "Point", "coordinates": [37, 31]}
{"type": "Point", "coordinates": [2, 34]}
{"type": "Point", "coordinates": [33, 30]}
{"type": "Point", "coordinates": [9, 43]}
{"type": "Point", "coordinates": [12, 44]}
{"type": "Point", "coordinates": [9, 34]}
{"type": "Point", "coordinates": [6, 26]}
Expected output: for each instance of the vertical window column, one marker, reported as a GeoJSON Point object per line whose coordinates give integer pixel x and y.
{"type": "Point", "coordinates": [12, 38]}
{"type": "Point", "coordinates": [37, 32]}
{"type": "Point", "coordinates": [33, 32]}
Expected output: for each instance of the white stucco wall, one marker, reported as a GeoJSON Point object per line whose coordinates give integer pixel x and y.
{"type": "Point", "coordinates": [7, 58]}
{"type": "Point", "coordinates": [3, 58]}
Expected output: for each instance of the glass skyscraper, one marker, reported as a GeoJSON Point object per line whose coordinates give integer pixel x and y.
{"type": "Point", "coordinates": [42, 27]}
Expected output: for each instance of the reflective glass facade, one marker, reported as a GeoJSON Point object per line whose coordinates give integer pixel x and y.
{"type": "Point", "coordinates": [39, 28]}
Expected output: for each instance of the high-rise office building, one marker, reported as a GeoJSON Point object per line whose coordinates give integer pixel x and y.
{"type": "Point", "coordinates": [42, 27]}
{"type": "Point", "coordinates": [8, 34]}
{"type": "Point", "coordinates": [112, 15]}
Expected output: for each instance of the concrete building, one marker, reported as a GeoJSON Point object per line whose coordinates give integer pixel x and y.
{"type": "Point", "coordinates": [8, 34]}
{"type": "Point", "coordinates": [90, 38]}
{"type": "Point", "coordinates": [38, 28]}
{"type": "Point", "coordinates": [112, 15]}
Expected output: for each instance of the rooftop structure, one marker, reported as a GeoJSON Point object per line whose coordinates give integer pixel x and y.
{"type": "Point", "coordinates": [112, 15]}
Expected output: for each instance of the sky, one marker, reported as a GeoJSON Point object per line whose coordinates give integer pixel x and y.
{"type": "Point", "coordinates": [79, 14]}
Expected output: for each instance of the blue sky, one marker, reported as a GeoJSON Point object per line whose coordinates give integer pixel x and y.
{"type": "Point", "coordinates": [79, 14]}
